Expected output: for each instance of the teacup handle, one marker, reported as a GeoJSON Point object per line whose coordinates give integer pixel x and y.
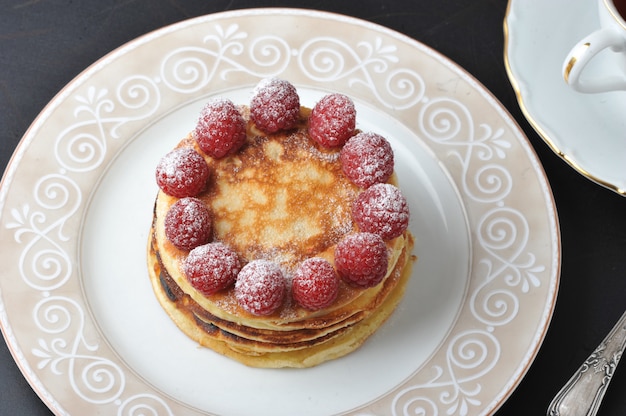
{"type": "Point", "coordinates": [584, 51]}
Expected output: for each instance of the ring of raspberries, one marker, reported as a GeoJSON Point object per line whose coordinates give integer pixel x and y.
{"type": "Point", "coordinates": [380, 211]}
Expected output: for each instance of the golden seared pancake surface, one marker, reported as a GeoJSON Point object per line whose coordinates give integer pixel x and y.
{"type": "Point", "coordinates": [282, 198]}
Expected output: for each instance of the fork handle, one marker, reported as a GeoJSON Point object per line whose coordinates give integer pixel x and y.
{"type": "Point", "coordinates": [583, 393]}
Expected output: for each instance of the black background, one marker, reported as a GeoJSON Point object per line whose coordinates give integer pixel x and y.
{"type": "Point", "coordinates": [45, 44]}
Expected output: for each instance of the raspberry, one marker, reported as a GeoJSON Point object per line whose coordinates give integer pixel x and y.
{"type": "Point", "coordinates": [366, 159]}
{"type": "Point", "coordinates": [221, 129]}
{"type": "Point", "coordinates": [182, 172]}
{"type": "Point", "coordinates": [381, 209]}
{"type": "Point", "coordinates": [275, 105]}
{"type": "Point", "coordinates": [332, 120]}
{"type": "Point", "coordinates": [260, 287]}
{"type": "Point", "coordinates": [315, 284]}
{"type": "Point", "coordinates": [361, 259]}
{"type": "Point", "coordinates": [188, 223]}
{"type": "Point", "coordinates": [211, 267]}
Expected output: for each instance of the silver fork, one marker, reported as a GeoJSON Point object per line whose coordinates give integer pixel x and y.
{"type": "Point", "coordinates": [583, 393]}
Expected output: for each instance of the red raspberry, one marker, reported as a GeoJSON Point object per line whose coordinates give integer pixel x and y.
{"type": "Point", "coordinates": [260, 287]}
{"type": "Point", "coordinates": [182, 172]}
{"type": "Point", "coordinates": [361, 259]}
{"type": "Point", "coordinates": [366, 159]}
{"type": "Point", "coordinates": [381, 209]}
{"type": "Point", "coordinates": [188, 223]}
{"type": "Point", "coordinates": [275, 105]}
{"type": "Point", "coordinates": [211, 267]}
{"type": "Point", "coordinates": [221, 129]}
{"type": "Point", "coordinates": [332, 120]}
{"type": "Point", "coordinates": [315, 284]}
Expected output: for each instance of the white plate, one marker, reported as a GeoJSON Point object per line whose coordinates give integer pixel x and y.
{"type": "Point", "coordinates": [76, 305]}
{"type": "Point", "coordinates": [587, 130]}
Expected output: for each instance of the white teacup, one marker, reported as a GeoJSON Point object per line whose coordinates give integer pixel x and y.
{"type": "Point", "coordinates": [611, 35]}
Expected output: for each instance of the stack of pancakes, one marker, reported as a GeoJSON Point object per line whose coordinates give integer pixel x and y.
{"type": "Point", "coordinates": [281, 198]}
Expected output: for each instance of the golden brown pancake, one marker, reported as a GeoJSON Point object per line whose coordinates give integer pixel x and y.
{"type": "Point", "coordinates": [281, 198]}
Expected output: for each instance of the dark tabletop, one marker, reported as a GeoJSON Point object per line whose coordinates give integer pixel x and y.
{"type": "Point", "coordinates": [44, 44]}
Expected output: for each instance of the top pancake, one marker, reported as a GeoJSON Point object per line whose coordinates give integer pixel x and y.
{"type": "Point", "coordinates": [283, 198]}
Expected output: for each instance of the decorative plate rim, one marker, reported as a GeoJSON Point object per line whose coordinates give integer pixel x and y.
{"type": "Point", "coordinates": [493, 198]}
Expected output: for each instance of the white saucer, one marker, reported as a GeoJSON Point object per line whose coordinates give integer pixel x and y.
{"type": "Point", "coordinates": [587, 130]}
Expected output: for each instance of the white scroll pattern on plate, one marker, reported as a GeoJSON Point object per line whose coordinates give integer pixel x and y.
{"type": "Point", "coordinates": [505, 267]}
{"type": "Point", "coordinates": [500, 241]}
{"type": "Point", "coordinates": [46, 263]}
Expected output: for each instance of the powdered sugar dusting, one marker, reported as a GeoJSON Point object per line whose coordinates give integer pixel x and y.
{"type": "Point", "coordinates": [361, 259]}
{"type": "Point", "coordinates": [319, 200]}
{"type": "Point", "coordinates": [211, 267]}
{"type": "Point", "coordinates": [332, 120]}
{"type": "Point", "coordinates": [275, 105]}
{"type": "Point", "coordinates": [382, 209]}
{"type": "Point", "coordinates": [367, 158]}
{"type": "Point", "coordinates": [182, 172]}
{"type": "Point", "coordinates": [260, 287]}
{"type": "Point", "coordinates": [214, 258]}
{"type": "Point", "coordinates": [188, 223]}
{"type": "Point", "coordinates": [315, 284]}
{"type": "Point", "coordinates": [221, 128]}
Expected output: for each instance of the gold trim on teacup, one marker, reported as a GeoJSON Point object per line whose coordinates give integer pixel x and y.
{"type": "Point", "coordinates": [610, 6]}
{"type": "Point", "coordinates": [575, 56]}
{"type": "Point", "coordinates": [551, 144]}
